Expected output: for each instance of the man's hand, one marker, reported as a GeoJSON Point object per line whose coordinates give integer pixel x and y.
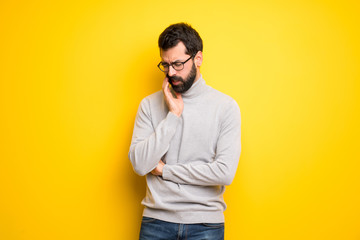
{"type": "Point", "coordinates": [175, 105]}
{"type": "Point", "coordinates": [159, 169]}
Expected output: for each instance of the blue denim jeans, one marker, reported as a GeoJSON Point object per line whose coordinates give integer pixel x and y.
{"type": "Point", "coordinates": [154, 229]}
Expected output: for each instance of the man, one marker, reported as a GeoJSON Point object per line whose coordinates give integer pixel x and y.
{"type": "Point", "coordinates": [186, 141]}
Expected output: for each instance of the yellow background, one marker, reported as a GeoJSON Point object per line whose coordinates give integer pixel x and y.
{"type": "Point", "coordinates": [72, 75]}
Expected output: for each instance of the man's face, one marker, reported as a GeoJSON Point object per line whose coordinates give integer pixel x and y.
{"type": "Point", "coordinates": [182, 80]}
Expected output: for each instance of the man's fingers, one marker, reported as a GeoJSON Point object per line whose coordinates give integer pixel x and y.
{"type": "Point", "coordinates": [165, 83]}
{"type": "Point", "coordinates": [166, 88]}
{"type": "Point", "coordinates": [172, 99]}
{"type": "Point", "coordinates": [158, 170]}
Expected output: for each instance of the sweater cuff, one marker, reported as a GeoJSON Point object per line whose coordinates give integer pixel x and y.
{"type": "Point", "coordinates": [172, 115]}
{"type": "Point", "coordinates": [172, 122]}
{"type": "Point", "coordinates": [165, 172]}
{"type": "Point", "coordinates": [172, 119]}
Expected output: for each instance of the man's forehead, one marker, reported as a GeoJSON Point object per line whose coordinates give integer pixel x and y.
{"type": "Point", "coordinates": [178, 51]}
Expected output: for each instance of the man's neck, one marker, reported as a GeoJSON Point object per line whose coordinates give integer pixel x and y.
{"type": "Point", "coordinates": [198, 74]}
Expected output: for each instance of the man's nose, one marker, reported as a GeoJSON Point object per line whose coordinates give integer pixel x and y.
{"type": "Point", "coordinates": [172, 71]}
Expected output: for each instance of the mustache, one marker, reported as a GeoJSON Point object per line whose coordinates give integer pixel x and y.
{"type": "Point", "coordinates": [176, 78]}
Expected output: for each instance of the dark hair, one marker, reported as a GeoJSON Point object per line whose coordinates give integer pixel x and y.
{"type": "Point", "coordinates": [181, 32]}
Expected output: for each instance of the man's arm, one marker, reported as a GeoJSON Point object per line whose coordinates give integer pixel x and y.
{"type": "Point", "coordinates": [148, 145]}
{"type": "Point", "coordinates": [222, 170]}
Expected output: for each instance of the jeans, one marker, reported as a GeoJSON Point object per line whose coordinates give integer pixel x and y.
{"type": "Point", "coordinates": [154, 229]}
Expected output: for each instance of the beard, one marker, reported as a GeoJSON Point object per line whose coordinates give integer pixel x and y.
{"type": "Point", "coordinates": [184, 85]}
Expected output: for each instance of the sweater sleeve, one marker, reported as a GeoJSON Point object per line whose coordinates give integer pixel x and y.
{"type": "Point", "coordinates": [148, 145]}
{"type": "Point", "coordinates": [222, 170]}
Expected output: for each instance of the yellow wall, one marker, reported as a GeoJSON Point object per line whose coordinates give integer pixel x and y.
{"type": "Point", "coordinates": [72, 74]}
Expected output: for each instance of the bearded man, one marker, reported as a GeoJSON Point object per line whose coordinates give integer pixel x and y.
{"type": "Point", "coordinates": [186, 141]}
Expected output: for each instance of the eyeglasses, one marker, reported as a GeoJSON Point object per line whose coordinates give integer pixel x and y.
{"type": "Point", "coordinates": [178, 66]}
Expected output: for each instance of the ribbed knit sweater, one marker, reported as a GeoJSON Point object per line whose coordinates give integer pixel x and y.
{"type": "Point", "coordinates": [200, 149]}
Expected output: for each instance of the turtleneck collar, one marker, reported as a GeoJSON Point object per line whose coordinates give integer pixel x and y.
{"type": "Point", "coordinates": [196, 89]}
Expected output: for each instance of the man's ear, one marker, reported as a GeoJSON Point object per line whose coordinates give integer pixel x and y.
{"type": "Point", "coordinates": [198, 59]}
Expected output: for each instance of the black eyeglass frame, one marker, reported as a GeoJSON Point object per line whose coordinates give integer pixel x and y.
{"type": "Point", "coordinates": [172, 65]}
